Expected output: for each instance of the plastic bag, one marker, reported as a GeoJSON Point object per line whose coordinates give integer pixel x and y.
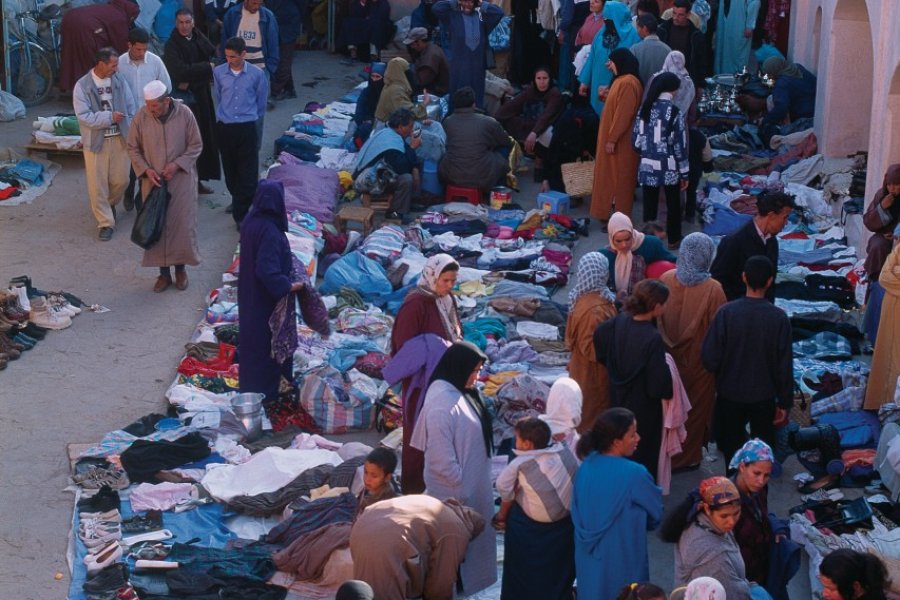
{"type": "Point", "coordinates": [358, 272]}
{"type": "Point", "coordinates": [150, 222]}
{"type": "Point", "coordinates": [11, 108]}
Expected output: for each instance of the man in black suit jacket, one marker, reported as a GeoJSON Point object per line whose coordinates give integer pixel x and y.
{"type": "Point", "coordinates": [756, 238]}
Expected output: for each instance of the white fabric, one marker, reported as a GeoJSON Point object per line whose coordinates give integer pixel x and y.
{"type": "Point", "coordinates": [248, 29]}
{"type": "Point", "coordinates": [541, 331]}
{"type": "Point", "coordinates": [563, 412]}
{"type": "Point", "coordinates": [267, 471]}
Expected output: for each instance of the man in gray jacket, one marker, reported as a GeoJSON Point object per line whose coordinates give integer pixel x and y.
{"type": "Point", "coordinates": [650, 51]}
{"type": "Point", "coordinates": [104, 106]}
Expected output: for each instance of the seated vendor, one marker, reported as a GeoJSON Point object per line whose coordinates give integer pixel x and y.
{"type": "Point", "coordinates": [477, 146]}
{"type": "Point", "coordinates": [631, 252]}
{"type": "Point", "coordinates": [529, 118]}
{"type": "Point", "coordinates": [431, 71]}
{"type": "Point", "coordinates": [794, 94]}
{"type": "Point", "coordinates": [390, 144]}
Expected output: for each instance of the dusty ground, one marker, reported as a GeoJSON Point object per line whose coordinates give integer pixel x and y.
{"type": "Point", "coordinates": [108, 369]}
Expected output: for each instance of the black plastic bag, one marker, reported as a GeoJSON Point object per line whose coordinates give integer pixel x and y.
{"type": "Point", "coordinates": [150, 222]}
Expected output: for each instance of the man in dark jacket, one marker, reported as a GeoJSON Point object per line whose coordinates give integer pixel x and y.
{"type": "Point", "coordinates": [289, 15]}
{"type": "Point", "coordinates": [682, 35]}
{"type": "Point", "coordinates": [189, 57]}
{"type": "Point", "coordinates": [748, 349]}
{"type": "Point", "coordinates": [756, 238]}
{"type": "Point", "coordinates": [476, 144]}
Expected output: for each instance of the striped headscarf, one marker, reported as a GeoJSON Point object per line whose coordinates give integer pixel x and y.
{"type": "Point", "coordinates": [695, 258]}
{"type": "Point", "coordinates": [592, 276]}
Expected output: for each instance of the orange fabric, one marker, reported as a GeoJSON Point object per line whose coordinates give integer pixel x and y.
{"type": "Point", "coordinates": [590, 310]}
{"type": "Point", "coordinates": [615, 175]}
{"type": "Point", "coordinates": [687, 317]}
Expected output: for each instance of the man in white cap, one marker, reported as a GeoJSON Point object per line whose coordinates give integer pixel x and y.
{"type": "Point", "coordinates": [104, 106]}
{"type": "Point", "coordinates": [432, 71]}
{"type": "Point", "coordinates": [164, 144]}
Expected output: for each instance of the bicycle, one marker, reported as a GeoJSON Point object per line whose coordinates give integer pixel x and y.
{"type": "Point", "coordinates": [33, 63]}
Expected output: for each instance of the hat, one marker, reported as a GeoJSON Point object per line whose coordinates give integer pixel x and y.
{"type": "Point", "coordinates": [415, 34]}
{"type": "Point", "coordinates": [378, 68]}
{"type": "Point", "coordinates": [155, 89]}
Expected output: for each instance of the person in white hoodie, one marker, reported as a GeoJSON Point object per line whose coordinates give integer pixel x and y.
{"type": "Point", "coordinates": [563, 413]}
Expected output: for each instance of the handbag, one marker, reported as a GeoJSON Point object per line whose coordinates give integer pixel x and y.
{"type": "Point", "coordinates": [151, 220]}
{"type": "Point", "coordinates": [578, 177]}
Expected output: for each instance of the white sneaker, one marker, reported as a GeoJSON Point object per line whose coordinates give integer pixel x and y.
{"type": "Point", "coordinates": [42, 316]}
{"type": "Point", "coordinates": [22, 294]}
{"type": "Point", "coordinates": [59, 303]}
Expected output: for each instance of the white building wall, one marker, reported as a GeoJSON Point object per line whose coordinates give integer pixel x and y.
{"type": "Point", "coordinates": [853, 46]}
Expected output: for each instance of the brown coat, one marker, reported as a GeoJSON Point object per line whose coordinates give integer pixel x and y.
{"type": "Point", "coordinates": [615, 175]}
{"type": "Point", "coordinates": [886, 359]}
{"type": "Point", "coordinates": [153, 144]}
{"type": "Point", "coordinates": [412, 546]}
{"type": "Point", "coordinates": [590, 310]}
{"type": "Point", "coordinates": [688, 314]}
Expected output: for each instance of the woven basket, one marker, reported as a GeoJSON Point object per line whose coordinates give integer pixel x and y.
{"type": "Point", "coordinates": [578, 177]}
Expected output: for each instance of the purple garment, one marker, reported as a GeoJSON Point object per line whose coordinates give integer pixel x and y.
{"type": "Point", "coordinates": [264, 279]}
{"type": "Point", "coordinates": [283, 322]}
{"type": "Point", "coordinates": [307, 188]}
{"type": "Point", "coordinates": [414, 362]}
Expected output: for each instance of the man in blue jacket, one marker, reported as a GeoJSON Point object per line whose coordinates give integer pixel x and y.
{"type": "Point", "coordinates": [256, 25]}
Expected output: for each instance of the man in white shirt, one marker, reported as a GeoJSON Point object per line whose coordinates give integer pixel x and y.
{"type": "Point", "coordinates": [139, 67]}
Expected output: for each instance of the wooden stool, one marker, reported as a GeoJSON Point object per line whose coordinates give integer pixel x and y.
{"type": "Point", "coordinates": [355, 214]}
{"type": "Point", "coordinates": [378, 203]}
{"type": "Point", "coordinates": [456, 193]}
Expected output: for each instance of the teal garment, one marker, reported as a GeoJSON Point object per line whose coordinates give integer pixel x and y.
{"type": "Point", "coordinates": [611, 524]}
{"type": "Point", "coordinates": [594, 74]}
{"type": "Point", "coordinates": [477, 331]}
{"type": "Point", "coordinates": [651, 250]}
{"type": "Point", "coordinates": [732, 48]}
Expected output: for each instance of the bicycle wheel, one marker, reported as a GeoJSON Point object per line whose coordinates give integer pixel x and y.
{"type": "Point", "coordinates": [32, 73]}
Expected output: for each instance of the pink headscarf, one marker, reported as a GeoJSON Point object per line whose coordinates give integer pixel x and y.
{"type": "Point", "coordinates": [620, 222]}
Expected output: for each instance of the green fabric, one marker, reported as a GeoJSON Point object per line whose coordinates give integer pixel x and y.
{"type": "Point", "coordinates": [66, 126]}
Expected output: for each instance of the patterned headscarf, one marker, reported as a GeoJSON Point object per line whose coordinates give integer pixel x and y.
{"type": "Point", "coordinates": [434, 266]}
{"type": "Point", "coordinates": [704, 588]}
{"type": "Point", "coordinates": [718, 491]}
{"type": "Point", "coordinates": [753, 451]}
{"type": "Point", "coordinates": [620, 222]}
{"type": "Point", "coordinates": [684, 95]}
{"type": "Point", "coordinates": [592, 276]}
{"type": "Point", "coordinates": [695, 259]}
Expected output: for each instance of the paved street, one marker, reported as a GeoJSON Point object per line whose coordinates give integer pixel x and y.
{"type": "Point", "coordinates": [109, 369]}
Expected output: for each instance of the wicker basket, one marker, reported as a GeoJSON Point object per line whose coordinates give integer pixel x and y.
{"type": "Point", "coordinates": [578, 177]}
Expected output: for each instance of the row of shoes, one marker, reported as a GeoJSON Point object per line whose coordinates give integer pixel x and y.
{"type": "Point", "coordinates": [17, 334]}
{"type": "Point", "coordinates": [100, 528]}
{"type": "Point", "coordinates": [96, 477]}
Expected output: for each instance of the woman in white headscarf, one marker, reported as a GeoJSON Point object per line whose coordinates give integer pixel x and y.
{"type": "Point", "coordinates": [429, 322]}
{"type": "Point", "coordinates": [590, 303]}
{"type": "Point", "coordinates": [563, 413]}
{"type": "Point", "coordinates": [631, 252]}
{"type": "Point", "coordinates": [683, 98]}
{"type": "Point", "coordinates": [694, 298]}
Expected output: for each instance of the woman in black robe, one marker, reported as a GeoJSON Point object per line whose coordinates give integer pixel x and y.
{"type": "Point", "coordinates": [635, 357]}
{"type": "Point", "coordinates": [369, 23]}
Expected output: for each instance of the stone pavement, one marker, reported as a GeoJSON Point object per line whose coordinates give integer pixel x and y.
{"type": "Point", "coordinates": [111, 368]}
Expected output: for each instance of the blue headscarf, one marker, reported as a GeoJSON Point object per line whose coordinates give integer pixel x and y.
{"type": "Point", "coordinates": [695, 258]}
{"type": "Point", "coordinates": [753, 451]}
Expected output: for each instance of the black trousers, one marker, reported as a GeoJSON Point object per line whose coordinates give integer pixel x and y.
{"type": "Point", "coordinates": [731, 424]}
{"type": "Point", "coordinates": [240, 162]}
{"type": "Point", "coordinates": [673, 209]}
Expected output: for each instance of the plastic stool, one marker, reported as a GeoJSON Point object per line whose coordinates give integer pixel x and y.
{"type": "Point", "coordinates": [456, 193]}
{"type": "Point", "coordinates": [355, 214]}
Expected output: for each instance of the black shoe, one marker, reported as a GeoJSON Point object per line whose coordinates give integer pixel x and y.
{"type": "Point", "coordinates": [114, 212]}
{"type": "Point", "coordinates": [109, 579]}
{"type": "Point", "coordinates": [128, 201]}
{"type": "Point", "coordinates": [35, 331]}
{"type": "Point", "coordinates": [105, 499]}
{"type": "Point", "coordinates": [138, 203]}
{"type": "Point", "coordinates": [105, 234]}
{"type": "Point", "coordinates": [73, 299]}
{"type": "Point", "coordinates": [152, 521]}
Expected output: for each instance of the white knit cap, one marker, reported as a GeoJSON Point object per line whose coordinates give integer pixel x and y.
{"type": "Point", "coordinates": [155, 89]}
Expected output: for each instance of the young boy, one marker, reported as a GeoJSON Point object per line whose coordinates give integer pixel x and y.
{"type": "Point", "coordinates": [536, 493]}
{"type": "Point", "coordinates": [378, 473]}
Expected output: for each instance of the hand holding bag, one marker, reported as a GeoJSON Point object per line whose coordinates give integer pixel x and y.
{"type": "Point", "coordinates": [151, 220]}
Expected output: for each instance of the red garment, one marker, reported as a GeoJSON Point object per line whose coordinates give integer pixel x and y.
{"type": "Point", "coordinates": [8, 192]}
{"type": "Point", "coordinates": [86, 29]}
